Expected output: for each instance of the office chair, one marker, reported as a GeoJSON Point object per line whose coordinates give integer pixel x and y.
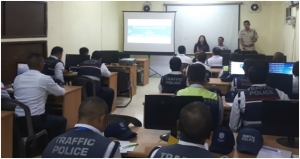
{"type": "Point", "coordinates": [86, 83]}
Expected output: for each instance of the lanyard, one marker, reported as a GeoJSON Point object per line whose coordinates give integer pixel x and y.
{"type": "Point", "coordinates": [83, 129]}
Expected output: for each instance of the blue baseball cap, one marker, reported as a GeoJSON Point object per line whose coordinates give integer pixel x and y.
{"type": "Point", "coordinates": [119, 130]}
{"type": "Point", "coordinates": [249, 141]}
{"type": "Point", "coordinates": [222, 141]}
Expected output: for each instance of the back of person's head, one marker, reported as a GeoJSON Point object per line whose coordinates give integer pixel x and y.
{"type": "Point", "coordinates": [279, 57]}
{"type": "Point", "coordinates": [35, 61]}
{"type": "Point", "coordinates": [234, 57]}
{"type": "Point", "coordinates": [247, 64]}
{"type": "Point", "coordinates": [195, 123]}
{"type": "Point", "coordinates": [196, 73]}
{"type": "Point", "coordinates": [181, 49]}
{"type": "Point", "coordinates": [258, 74]}
{"type": "Point", "coordinates": [216, 51]}
{"type": "Point", "coordinates": [97, 55]}
{"type": "Point", "coordinates": [175, 64]}
{"type": "Point", "coordinates": [93, 111]}
{"type": "Point", "coordinates": [202, 56]}
{"type": "Point", "coordinates": [83, 51]}
{"type": "Point", "coordinates": [57, 50]}
{"type": "Point", "coordinates": [296, 69]}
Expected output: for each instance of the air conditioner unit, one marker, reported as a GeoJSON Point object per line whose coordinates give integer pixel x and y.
{"type": "Point", "coordinates": [254, 7]}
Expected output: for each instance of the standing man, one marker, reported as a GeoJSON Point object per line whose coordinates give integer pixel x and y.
{"type": "Point", "coordinates": [248, 37]}
{"type": "Point", "coordinates": [221, 45]}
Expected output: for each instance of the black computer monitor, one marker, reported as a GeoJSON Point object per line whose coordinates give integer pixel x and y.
{"type": "Point", "coordinates": [22, 67]}
{"type": "Point", "coordinates": [123, 55]}
{"type": "Point", "coordinates": [283, 82]}
{"type": "Point", "coordinates": [225, 52]}
{"type": "Point", "coordinates": [226, 58]}
{"type": "Point", "coordinates": [110, 56]}
{"type": "Point", "coordinates": [74, 60]}
{"type": "Point", "coordinates": [269, 58]}
{"type": "Point", "coordinates": [281, 118]}
{"type": "Point", "coordinates": [282, 68]}
{"type": "Point", "coordinates": [252, 56]}
{"type": "Point", "coordinates": [247, 52]}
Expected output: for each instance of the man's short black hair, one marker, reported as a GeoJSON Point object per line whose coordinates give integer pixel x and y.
{"type": "Point", "coordinates": [92, 108]}
{"type": "Point", "coordinates": [57, 50]}
{"type": "Point", "coordinates": [195, 122]}
{"type": "Point", "coordinates": [216, 51]}
{"type": "Point", "coordinates": [221, 38]}
{"type": "Point", "coordinates": [234, 57]}
{"type": "Point", "coordinates": [296, 69]}
{"type": "Point", "coordinates": [247, 21]}
{"type": "Point", "coordinates": [279, 57]}
{"type": "Point", "coordinates": [181, 49]}
{"type": "Point", "coordinates": [202, 56]}
{"type": "Point", "coordinates": [34, 60]}
{"type": "Point", "coordinates": [175, 64]}
{"type": "Point", "coordinates": [96, 55]}
{"type": "Point", "coordinates": [196, 73]}
{"type": "Point", "coordinates": [83, 50]}
{"type": "Point", "coordinates": [248, 63]}
{"type": "Point", "coordinates": [258, 74]}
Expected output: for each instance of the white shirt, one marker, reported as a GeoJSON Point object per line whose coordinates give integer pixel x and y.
{"type": "Point", "coordinates": [236, 109]}
{"type": "Point", "coordinates": [172, 73]}
{"type": "Point", "coordinates": [181, 143]}
{"type": "Point", "coordinates": [296, 85]}
{"type": "Point", "coordinates": [59, 70]}
{"type": "Point", "coordinates": [4, 93]}
{"type": "Point", "coordinates": [222, 47]}
{"type": "Point", "coordinates": [104, 72]}
{"type": "Point", "coordinates": [215, 60]}
{"type": "Point", "coordinates": [199, 62]}
{"type": "Point", "coordinates": [31, 88]}
{"type": "Point", "coordinates": [110, 146]}
{"type": "Point", "coordinates": [185, 59]}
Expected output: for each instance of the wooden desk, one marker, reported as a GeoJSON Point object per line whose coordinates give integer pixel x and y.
{"type": "Point", "coordinates": [7, 134]}
{"type": "Point", "coordinates": [217, 83]}
{"type": "Point", "coordinates": [148, 139]}
{"type": "Point", "coordinates": [112, 83]}
{"type": "Point", "coordinates": [208, 55]}
{"type": "Point", "coordinates": [132, 71]}
{"type": "Point", "coordinates": [216, 70]}
{"type": "Point", "coordinates": [144, 63]}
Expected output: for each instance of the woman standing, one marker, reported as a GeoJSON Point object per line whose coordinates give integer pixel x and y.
{"type": "Point", "coordinates": [201, 45]}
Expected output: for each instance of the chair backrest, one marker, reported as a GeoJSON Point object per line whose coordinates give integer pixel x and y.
{"type": "Point", "coordinates": [216, 90]}
{"type": "Point", "coordinates": [126, 119]}
{"type": "Point", "coordinates": [122, 79]}
{"type": "Point", "coordinates": [87, 85]}
{"type": "Point", "coordinates": [253, 112]}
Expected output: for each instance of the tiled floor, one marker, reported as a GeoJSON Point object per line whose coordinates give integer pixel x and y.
{"type": "Point", "coordinates": [136, 108]}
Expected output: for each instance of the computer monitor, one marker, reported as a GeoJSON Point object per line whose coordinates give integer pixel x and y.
{"type": "Point", "coordinates": [21, 68]}
{"type": "Point", "coordinates": [125, 55]}
{"type": "Point", "coordinates": [236, 68]}
{"type": "Point", "coordinates": [283, 82]}
{"type": "Point", "coordinates": [281, 118]}
{"type": "Point", "coordinates": [252, 56]}
{"type": "Point", "coordinates": [283, 68]}
{"type": "Point", "coordinates": [226, 58]}
{"type": "Point", "coordinates": [110, 57]}
{"type": "Point", "coordinates": [269, 58]}
{"type": "Point", "coordinates": [225, 52]}
{"type": "Point", "coordinates": [75, 60]}
{"type": "Point", "coordinates": [247, 52]}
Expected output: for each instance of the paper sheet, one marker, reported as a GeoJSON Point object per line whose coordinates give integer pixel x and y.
{"type": "Point", "coordinates": [230, 104]}
{"type": "Point", "coordinates": [125, 143]}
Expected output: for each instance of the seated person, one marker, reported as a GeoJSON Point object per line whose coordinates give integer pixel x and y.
{"type": "Point", "coordinates": [184, 59]}
{"type": "Point", "coordinates": [31, 88]}
{"type": "Point", "coordinates": [4, 93]}
{"type": "Point", "coordinates": [174, 81]}
{"type": "Point", "coordinates": [296, 78]}
{"type": "Point", "coordinates": [279, 57]}
{"type": "Point", "coordinates": [225, 71]}
{"type": "Point", "coordinates": [83, 51]}
{"type": "Point", "coordinates": [201, 60]}
{"type": "Point", "coordinates": [194, 125]}
{"type": "Point", "coordinates": [87, 136]}
{"type": "Point", "coordinates": [254, 95]}
{"type": "Point", "coordinates": [216, 59]}
{"type": "Point", "coordinates": [196, 79]}
{"type": "Point", "coordinates": [221, 46]}
{"type": "Point", "coordinates": [195, 59]}
{"type": "Point", "coordinates": [242, 83]}
{"type": "Point", "coordinates": [94, 69]}
{"type": "Point", "coordinates": [54, 67]}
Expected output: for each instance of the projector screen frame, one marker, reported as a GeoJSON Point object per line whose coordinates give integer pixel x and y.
{"type": "Point", "coordinates": [206, 4]}
{"type": "Point", "coordinates": [150, 52]}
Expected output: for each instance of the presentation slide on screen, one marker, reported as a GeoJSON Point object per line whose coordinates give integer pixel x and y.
{"type": "Point", "coordinates": [152, 31]}
{"type": "Point", "coordinates": [237, 68]}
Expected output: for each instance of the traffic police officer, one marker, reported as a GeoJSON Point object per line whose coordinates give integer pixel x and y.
{"type": "Point", "coordinates": [248, 37]}
{"type": "Point", "coordinates": [242, 83]}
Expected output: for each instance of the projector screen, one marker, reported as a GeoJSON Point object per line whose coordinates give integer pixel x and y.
{"type": "Point", "coordinates": [149, 32]}
{"type": "Point", "coordinates": [212, 21]}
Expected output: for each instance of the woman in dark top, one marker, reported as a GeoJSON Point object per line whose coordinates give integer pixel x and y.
{"type": "Point", "coordinates": [201, 45]}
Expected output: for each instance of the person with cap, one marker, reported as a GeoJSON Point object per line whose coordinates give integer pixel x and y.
{"type": "Point", "coordinates": [196, 79]}
{"type": "Point", "coordinates": [242, 83]}
{"type": "Point", "coordinates": [296, 77]}
{"type": "Point", "coordinates": [194, 124]}
{"type": "Point", "coordinates": [248, 37]}
{"type": "Point", "coordinates": [4, 93]}
{"type": "Point", "coordinates": [119, 130]}
{"type": "Point", "coordinates": [222, 141]}
{"type": "Point", "coordinates": [253, 96]}
{"type": "Point", "coordinates": [184, 59]}
{"type": "Point", "coordinates": [86, 138]}
{"type": "Point", "coordinates": [175, 80]}
{"type": "Point", "coordinates": [249, 141]}
{"type": "Point", "coordinates": [279, 57]}
{"type": "Point", "coordinates": [216, 59]}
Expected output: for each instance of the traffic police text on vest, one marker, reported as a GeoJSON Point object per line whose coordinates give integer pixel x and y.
{"type": "Point", "coordinates": [172, 82]}
{"type": "Point", "coordinates": [49, 66]}
{"type": "Point", "coordinates": [242, 83]}
{"type": "Point", "coordinates": [90, 68]}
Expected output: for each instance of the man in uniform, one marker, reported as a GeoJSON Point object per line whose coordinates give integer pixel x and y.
{"type": "Point", "coordinates": [248, 37]}
{"type": "Point", "coordinates": [242, 83]}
